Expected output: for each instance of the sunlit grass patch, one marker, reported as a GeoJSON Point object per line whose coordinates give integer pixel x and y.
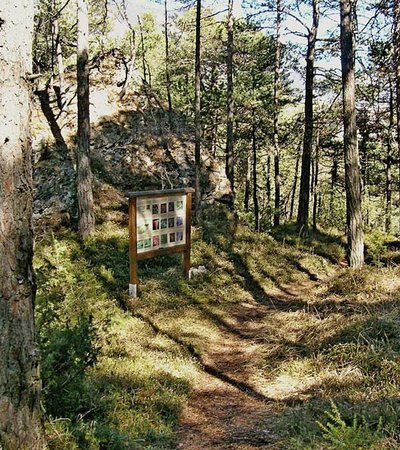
{"type": "Point", "coordinates": [351, 355]}
{"type": "Point", "coordinates": [117, 372]}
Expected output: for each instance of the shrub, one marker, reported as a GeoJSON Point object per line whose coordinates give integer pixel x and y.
{"type": "Point", "coordinates": [338, 434]}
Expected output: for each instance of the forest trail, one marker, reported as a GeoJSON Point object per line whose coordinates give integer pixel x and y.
{"type": "Point", "coordinates": [233, 404]}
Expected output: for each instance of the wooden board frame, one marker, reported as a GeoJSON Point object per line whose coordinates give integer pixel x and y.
{"type": "Point", "coordinates": [134, 256]}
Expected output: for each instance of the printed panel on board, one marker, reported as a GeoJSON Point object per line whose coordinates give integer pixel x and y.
{"type": "Point", "coordinates": [161, 222]}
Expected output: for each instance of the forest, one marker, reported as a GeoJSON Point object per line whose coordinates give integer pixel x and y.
{"type": "Point", "coordinates": [258, 144]}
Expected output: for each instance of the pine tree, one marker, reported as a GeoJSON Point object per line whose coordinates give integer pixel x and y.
{"type": "Point", "coordinates": [20, 424]}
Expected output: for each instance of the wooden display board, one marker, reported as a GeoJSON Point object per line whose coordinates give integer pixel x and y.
{"type": "Point", "coordinates": [159, 224]}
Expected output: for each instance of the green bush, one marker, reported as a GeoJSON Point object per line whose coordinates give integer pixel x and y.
{"type": "Point", "coordinates": [375, 246]}
{"type": "Point", "coordinates": [337, 434]}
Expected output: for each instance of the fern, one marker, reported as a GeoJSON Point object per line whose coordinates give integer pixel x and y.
{"type": "Point", "coordinates": [340, 435]}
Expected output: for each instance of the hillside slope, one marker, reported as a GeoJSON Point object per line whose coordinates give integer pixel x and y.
{"type": "Point", "coordinates": [132, 145]}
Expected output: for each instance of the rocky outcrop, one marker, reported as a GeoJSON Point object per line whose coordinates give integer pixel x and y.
{"type": "Point", "coordinates": [132, 147]}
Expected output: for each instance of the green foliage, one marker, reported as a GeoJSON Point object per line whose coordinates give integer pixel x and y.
{"type": "Point", "coordinates": [376, 246]}
{"type": "Point", "coordinates": [355, 436]}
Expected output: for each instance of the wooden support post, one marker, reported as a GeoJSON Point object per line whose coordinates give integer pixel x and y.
{"type": "Point", "coordinates": [133, 259]}
{"type": "Point", "coordinates": [186, 254]}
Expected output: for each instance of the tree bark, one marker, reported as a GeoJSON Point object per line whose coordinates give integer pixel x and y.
{"type": "Point", "coordinates": [229, 160]}
{"type": "Point", "coordinates": [20, 386]}
{"type": "Point", "coordinates": [197, 115]}
{"type": "Point", "coordinates": [277, 69]}
{"type": "Point", "coordinates": [84, 172]}
{"type": "Point", "coordinates": [355, 234]}
{"type": "Point", "coordinates": [304, 196]}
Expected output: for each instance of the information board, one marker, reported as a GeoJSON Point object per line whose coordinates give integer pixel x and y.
{"type": "Point", "coordinates": [159, 224]}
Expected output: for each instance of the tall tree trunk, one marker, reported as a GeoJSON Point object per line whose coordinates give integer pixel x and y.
{"type": "Point", "coordinates": [268, 181]}
{"type": "Point", "coordinates": [255, 189]}
{"type": "Point", "coordinates": [296, 177]}
{"type": "Point", "coordinates": [229, 161]}
{"type": "Point", "coordinates": [197, 115]}
{"type": "Point", "coordinates": [167, 71]}
{"type": "Point", "coordinates": [334, 179]}
{"type": "Point", "coordinates": [304, 196]}
{"type": "Point", "coordinates": [315, 181]}
{"type": "Point", "coordinates": [396, 64]}
{"type": "Point", "coordinates": [365, 163]}
{"type": "Point", "coordinates": [277, 70]}
{"type": "Point", "coordinates": [247, 185]}
{"type": "Point", "coordinates": [389, 146]}
{"type": "Point", "coordinates": [355, 234]}
{"type": "Point", "coordinates": [84, 172]}
{"type": "Point", "coordinates": [20, 386]}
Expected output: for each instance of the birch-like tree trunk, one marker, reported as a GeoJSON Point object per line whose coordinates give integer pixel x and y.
{"type": "Point", "coordinates": [84, 172]}
{"type": "Point", "coordinates": [355, 234]}
{"type": "Point", "coordinates": [20, 421]}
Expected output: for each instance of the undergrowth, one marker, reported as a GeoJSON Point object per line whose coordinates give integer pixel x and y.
{"type": "Point", "coordinates": [117, 373]}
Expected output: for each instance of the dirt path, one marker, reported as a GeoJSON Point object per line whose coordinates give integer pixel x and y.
{"type": "Point", "coordinates": [229, 407]}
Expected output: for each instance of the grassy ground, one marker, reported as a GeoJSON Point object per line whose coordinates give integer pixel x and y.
{"type": "Point", "coordinates": [118, 373]}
